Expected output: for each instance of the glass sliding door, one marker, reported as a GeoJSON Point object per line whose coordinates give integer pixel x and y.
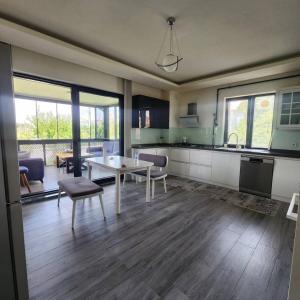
{"type": "Point", "coordinates": [99, 129]}
{"type": "Point", "coordinates": [59, 126]}
{"type": "Point", "coordinates": [44, 132]}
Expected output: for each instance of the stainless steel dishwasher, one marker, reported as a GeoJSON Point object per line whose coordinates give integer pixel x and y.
{"type": "Point", "coordinates": [256, 175]}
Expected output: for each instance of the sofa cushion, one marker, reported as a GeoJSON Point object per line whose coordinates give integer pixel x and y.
{"type": "Point", "coordinates": [23, 170]}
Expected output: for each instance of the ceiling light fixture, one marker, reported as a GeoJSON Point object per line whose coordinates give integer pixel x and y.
{"type": "Point", "coordinates": [169, 54]}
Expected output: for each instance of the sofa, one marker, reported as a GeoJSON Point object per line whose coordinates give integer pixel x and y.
{"type": "Point", "coordinates": [35, 166]}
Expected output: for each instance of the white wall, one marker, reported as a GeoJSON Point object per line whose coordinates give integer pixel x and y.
{"type": "Point", "coordinates": [45, 66]}
{"type": "Point", "coordinates": [206, 100]}
{"type": "Point", "coordinates": [140, 89]}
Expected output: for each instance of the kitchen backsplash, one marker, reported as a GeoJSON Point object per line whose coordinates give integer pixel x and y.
{"type": "Point", "coordinates": [149, 135]}
{"type": "Point", "coordinates": [282, 139]}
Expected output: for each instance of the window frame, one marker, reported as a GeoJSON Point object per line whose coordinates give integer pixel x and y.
{"type": "Point", "coordinates": [250, 117]}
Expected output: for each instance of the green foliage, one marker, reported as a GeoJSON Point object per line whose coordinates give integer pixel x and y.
{"type": "Point", "coordinates": [241, 127]}
{"type": "Point", "coordinates": [45, 127]}
{"type": "Point", "coordinates": [262, 124]}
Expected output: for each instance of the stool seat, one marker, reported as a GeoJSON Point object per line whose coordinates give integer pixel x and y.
{"type": "Point", "coordinates": [23, 170]}
{"type": "Point", "coordinates": [23, 178]}
{"type": "Point", "coordinates": [79, 187]}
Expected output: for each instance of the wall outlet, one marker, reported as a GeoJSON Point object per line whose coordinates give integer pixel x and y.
{"type": "Point", "coordinates": [295, 145]}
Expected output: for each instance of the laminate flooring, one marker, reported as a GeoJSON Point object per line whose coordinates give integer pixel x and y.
{"type": "Point", "coordinates": [184, 245]}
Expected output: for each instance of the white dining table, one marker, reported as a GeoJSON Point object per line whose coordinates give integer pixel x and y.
{"type": "Point", "coordinates": [121, 165]}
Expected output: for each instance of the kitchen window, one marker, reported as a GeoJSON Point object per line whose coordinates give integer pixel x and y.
{"type": "Point", "coordinates": [251, 119]}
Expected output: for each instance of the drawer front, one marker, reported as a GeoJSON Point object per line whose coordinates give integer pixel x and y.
{"type": "Point", "coordinates": [201, 172]}
{"type": "Point", "coordinates": [200, 157]}
{"type": "Point", "coordinates": [162, 151]}
{"type": "Point", "coordinates": [147, 151]}
{"type": "Point", "coordinates": [180, 155]}
{"type": "Point", "coordinates": [178, 168]}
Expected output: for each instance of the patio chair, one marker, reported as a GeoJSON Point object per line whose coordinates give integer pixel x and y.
{"type": "Point", "coordinates": [158, 173]}
{"type": "Point", "coordinates": [110, 148]}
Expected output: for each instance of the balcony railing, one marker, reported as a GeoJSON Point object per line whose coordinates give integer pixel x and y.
{"type": "Point", "coordinates": [47, 149]}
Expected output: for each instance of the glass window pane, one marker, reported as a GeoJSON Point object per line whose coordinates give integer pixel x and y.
{"type": "Point", "coordinates": [237, 120]}
{"type": "Point", "coordinates": [112, 122]}
{"type": "Point", "coordinates": [64, 121]}
{"type": "Point", "coordinates": [262, 121]}
{"type": "Point", "coordinates": [100, 122]}
{"type": "Point", "coordinates": [47, 121]}
{"type": "Point", "coordinates": [26, 119]}
{"type": "Point", "coordinates": [286, 108]}
{"type": "Point", "coordinates": [287, 98]}
{"type": "Point", "coordinates": [284, 119]}
{"type": "Point", "coordinates": [296, 108]}
{"type": "Point", "coordinates": [85, 122]}
{"type": "Point", "coordinates": [296, 97]}
{"type": "Point", "coordinates": [93, 125]}
{"type": "Point", "coordinates": [295, 119]}
{"type": "Point", "coordinates": [117, 123]}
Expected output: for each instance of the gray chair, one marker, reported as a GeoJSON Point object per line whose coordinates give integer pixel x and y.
{"type": "Point", "coordinates": [78, 188]}
{"type": "Point", "coordinates": [157, 173]}
{"type": "Point", "coordinates": [111, 148]}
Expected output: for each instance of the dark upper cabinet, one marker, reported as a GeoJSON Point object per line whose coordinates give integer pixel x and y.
{"type": "Point", "coordinates": [148, 112]}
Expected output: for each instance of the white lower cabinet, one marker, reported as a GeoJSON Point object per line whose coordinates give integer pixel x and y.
{"type": "Point", "coordinates": [200, 157]}
{"type": "Point", "coordinates": [223, 168]}
{"type": "Point", "coordinates": [178, 168]}
{"type": "Point", "coordinates": [200, 172]}
{"type": "Point", "coordinates": [226, 169]}
{"type": "Point", "coordinates": [182, 155]}
{"type": "Point", "coordinates": [162, 151]}
{"type": "Point", "coordinates": [286, 178]}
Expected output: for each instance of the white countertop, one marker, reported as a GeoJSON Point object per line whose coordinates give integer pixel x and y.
{"type": "Point", "coordinates": [120, 163]}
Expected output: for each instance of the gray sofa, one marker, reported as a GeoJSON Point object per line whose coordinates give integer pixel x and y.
{"type": "Point", "coordinates": [35, 166]}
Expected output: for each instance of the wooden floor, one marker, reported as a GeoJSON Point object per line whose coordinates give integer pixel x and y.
{"type": "Point", "coordinates": [185, 245]}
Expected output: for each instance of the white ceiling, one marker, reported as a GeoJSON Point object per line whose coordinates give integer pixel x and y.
{"type": "Point", "coordinates": [215, 36]}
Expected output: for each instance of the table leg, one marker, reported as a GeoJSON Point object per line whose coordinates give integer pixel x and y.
{"type": "Point", "coordinates": [148, 185]}
{"type": "Point", "coordinates": [68, 166]}
{"type": "Point", "coordinates": [90, 171]}
{"type": "Point", "coordinates": [118, 193]}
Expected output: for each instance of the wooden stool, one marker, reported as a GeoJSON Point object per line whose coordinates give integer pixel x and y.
{"type": "Point", "coordinates": [23, 177]}
{"type": "Point", "coordinates": [78, 188]}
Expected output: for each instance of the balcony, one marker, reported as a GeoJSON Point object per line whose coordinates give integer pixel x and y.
{"type": "Point", "coordinates": [45, 169]}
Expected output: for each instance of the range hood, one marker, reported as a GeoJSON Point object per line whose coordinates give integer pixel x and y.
{"type": "Point", "coordinates": [190, 120]}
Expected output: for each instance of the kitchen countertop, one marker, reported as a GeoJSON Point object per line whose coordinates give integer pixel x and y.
{"type": "Point", "coordinates": [272, 152]}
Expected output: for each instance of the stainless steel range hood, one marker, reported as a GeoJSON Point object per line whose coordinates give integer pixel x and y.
{"type": "Point", "coordinates": [190, 120]}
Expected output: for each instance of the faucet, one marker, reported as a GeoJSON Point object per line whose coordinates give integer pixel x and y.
{"type": "Point", "coordinates": [237, 139]}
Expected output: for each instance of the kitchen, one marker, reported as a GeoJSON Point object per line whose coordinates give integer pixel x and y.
{"type": "Point", "coordinates": [195, 140]}
{"type": "Point", "coordinates": [198, 102]}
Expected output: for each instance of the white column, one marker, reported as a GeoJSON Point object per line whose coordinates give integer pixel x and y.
{"type": "Point", "coordinates": [127, 116]}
